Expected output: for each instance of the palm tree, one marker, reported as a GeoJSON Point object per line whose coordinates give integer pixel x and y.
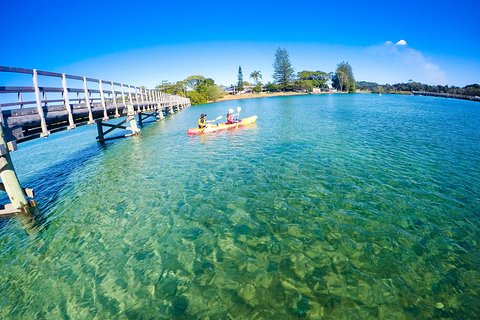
{"type": "Point", "coordinates": [256, 75]}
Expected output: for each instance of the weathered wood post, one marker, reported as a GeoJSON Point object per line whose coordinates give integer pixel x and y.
{"type": "Point", "coordinates": [153, 95]}
{"type": "Point", "coordinates": [71, 123]}
{"type": "Point", "coordinates": [141, 108]}
{"type": "Point", "coordinates": [171, 104]}
{"type": "Point", "coordinates": [102, 99]}
{"type": "Point", "coordinates": [131, 114]}
{"type": "Point", "coordinates": [158, 104]}
{"type": "Point", "coordinates": [152, 100]}
{"type": "Point", "coordinates": [43, 123]}
{"type": "Point", "coordinates": [123, 99]}
{"type": "Point", "coordinates": [136, 99]}
{"type": "Point", "coordinates": [141, 105]}
{"type": "Point", "coordinates": [10, 182]}
{"type": "Point", "coordinates": [101, 135]}
{"type": "Point", "coordinates": [87, 101]}
{"type": "Point", "coordinates": [114, 97]}
{"type": "Point", "coordinates": [148, 99]}
{"type": "Point", "coordinates": [143, 99]}
{"type": "Point", "coordinates": [162, 103]}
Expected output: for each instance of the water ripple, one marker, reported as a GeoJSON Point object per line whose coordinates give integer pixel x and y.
{"type": "Point", "coordinates": [345, 206]}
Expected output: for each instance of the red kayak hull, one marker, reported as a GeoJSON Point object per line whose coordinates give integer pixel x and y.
{"type": "Point", "coordinates": [222, 126]}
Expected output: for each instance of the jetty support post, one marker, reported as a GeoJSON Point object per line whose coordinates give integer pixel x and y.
{"type": "Point", "coordinates": [123, 99]}
{"type": "Point", "coordinates": [101, 135]}
{"type": "Point", "coordinates": [163, 101]}
{"type": "Point", "coordinates": [156, 104]}
{"type": "Point", "coordinates": [87, 101]}
{"type": "Point", "coordinates": [68, 107]}
{"type": "Point", "coordinates": [43, 123]}
{"type": "Point", "coordinates": [143, 99]}
{"type": "Point", "coordinates": [159, 104]}
{"type": "Point", "coordinates": [114, 100]}
{"type": "Point", "coordinates": [151, 105]}
{"type": "Point", "coordinates": [148, 97]}
{"type": "Point", "coordinates": [131, 114]}
{"type": "Point", "coordinates": [170, 103]}
{"type": "Point", "coordinates": [141, 107]}
{"type": "Point", "coordinates": [179, 106]}
{"type": "Point", "coordinates": [102, 99]}
{"type": "Point", "coordinates": [18, 196]}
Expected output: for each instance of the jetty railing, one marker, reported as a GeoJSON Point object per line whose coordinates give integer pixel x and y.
{"type": "Point", "coordinates": [58, 101]}
{"type": "Point", "coordinates": [446, 95]}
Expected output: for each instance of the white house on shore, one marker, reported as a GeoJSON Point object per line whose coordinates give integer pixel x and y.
{"type": "Point", "coordinates": [233, 89]}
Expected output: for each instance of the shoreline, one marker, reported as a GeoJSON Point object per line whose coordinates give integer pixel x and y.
{"type": "Point", "coordinates": [230, 97]}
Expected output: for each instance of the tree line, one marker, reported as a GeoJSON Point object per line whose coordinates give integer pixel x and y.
{"type": "Point", "coordinates": [285, 78]}
{"type": "Point", "coordinates": [410, 86]}
{"type": "Point", "coordinates": [201, 90]}
{"type": "Point", "coordinates": [255, 75]}
{"type": "Point", "coordinates": [197, 88]}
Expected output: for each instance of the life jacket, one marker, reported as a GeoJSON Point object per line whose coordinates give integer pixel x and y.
{"type": "Point", "coordinates": [230, 118]}
{"type": "Point", "coordinates": [202, 122]}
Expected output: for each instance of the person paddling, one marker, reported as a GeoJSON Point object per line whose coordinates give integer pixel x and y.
{"type": "Point", "coordinates": [202, 122]}
{"type": "Point", "coordinates": [230, 118]}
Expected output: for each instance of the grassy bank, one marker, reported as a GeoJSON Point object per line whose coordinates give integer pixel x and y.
{"type": "Point", "coordinates": [258, 95]}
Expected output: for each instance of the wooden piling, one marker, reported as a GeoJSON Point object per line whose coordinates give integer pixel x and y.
{"type": "Point", "coordinates": [102, 99]}
{"type": "Point", "coordinates": [143, 99]}
{"type": "Point", "coordinates": [87, 101]}
{"type": "Point", "coordinates": [71, 123]}
{"type": "Point", "coordinates": [43, 123]}
{"type": "Point", "coordinates": [158, 104]}
{"type": "Point", "coordinates": [15, 192]}
{"type": "Point", "coordinates": [131, 114]}
{"type": "Point", "coordinates": [114, 99]}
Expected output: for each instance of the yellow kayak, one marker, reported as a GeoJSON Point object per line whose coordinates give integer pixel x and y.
{"type": "Point", "coordinates": [222, 126]}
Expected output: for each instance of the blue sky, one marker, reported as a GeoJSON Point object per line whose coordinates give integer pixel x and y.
{"type": "Point", "coordinates": [145, 42]}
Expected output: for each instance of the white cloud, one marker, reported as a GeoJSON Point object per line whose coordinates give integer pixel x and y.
{"type": "Point", "coordinates": [402, 62]}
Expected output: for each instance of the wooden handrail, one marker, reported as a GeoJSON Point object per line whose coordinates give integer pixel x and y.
{"type": "Point", "coordinates": [15, 70]}
{"type": "Point", "coordinates": [114, 98]}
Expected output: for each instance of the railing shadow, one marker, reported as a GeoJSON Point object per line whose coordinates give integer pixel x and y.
{"type": "Point", "coordinates": [49, 184]}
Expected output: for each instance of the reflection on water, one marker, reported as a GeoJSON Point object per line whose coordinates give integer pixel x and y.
{"type": "Point", "coordinates": [350, 206]}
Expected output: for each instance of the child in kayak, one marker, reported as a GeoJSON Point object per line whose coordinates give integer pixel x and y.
{"type": "Point", "coordinates": [230, 118]}
{"type": "Point", "coordinates": [202, 122]}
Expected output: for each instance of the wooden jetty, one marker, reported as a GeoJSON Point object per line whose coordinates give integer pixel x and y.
{"type": "Point", "coordinates": [59, 101]}
{"type": "Point", "coordinates": [446, 95]}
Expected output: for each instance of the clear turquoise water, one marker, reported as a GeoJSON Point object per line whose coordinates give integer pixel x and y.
{"type": "Point", "coordinates": [330, 207]}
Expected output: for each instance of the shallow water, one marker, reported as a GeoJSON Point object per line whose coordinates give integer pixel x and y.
{"type": "Point", "coordinates": [330, 207]}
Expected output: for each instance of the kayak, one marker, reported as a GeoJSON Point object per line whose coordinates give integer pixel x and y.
{"type": "Point", "coordinates": [222, 126]}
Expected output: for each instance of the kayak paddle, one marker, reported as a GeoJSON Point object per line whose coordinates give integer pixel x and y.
{"type": "Point", "coordinates": [211, 121]}
{"type": "Point", "coordinates": [238, 113]}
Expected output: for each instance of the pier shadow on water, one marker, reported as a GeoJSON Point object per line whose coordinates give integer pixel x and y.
{"type": "Point", "coordinates": [49, 183]}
